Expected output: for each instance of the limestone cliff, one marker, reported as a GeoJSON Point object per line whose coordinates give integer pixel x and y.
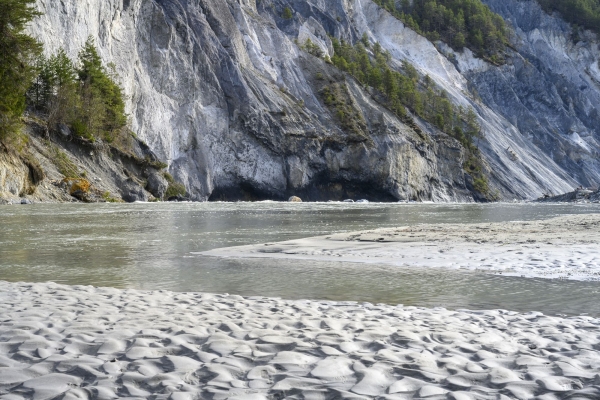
{"type": "Point", "coordinates": [222, 92]}
{"type": "Point", "coordinates": [550, 89]}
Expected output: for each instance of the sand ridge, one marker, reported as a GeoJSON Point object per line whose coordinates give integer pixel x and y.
{"type": "Point", "coordinates": [82, 342]}
{"type": "Point", "coordinates": [565, 247]}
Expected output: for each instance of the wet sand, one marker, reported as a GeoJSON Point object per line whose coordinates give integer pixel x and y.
{"type": "Point", "coordinates": [566, 247]}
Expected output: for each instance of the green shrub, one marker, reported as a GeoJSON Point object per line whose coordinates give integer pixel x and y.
{"type": "Point", "coordinates": [480, 184]}
{"type": "Point", "coordinates": [312, 48]}
{"type": "Point", "coordinates": [338, 99]}
{"type": "Point", "coordinates": [168, 177]}
{"type": "Point", "coordinates": [287, 13]}
{"type": "Point", "coordinates": [81, 129]}
{"type": "Point", "coordinates": [175, 189]}
{"type": "Point", "coordinates": [109, 199]}
{"type": "Point", "coordinates": [63, 163]}
{"type": "Point", "coordinates": [473, 166]}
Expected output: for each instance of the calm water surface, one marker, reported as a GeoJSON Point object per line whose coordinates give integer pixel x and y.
{"type": "Point", "coordinates": [150, 246]}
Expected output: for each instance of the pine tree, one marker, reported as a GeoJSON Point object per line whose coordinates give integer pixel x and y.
{"type": "Point", "coordinates": [375, 78]}
{"type": "Point", "coordinates": [65, 97]}
{"type": "Point", "coordinates": [63, 69]}
{"type": "Point", "coordinates": [390, 83]}
{"type": "Point", "coordinates": [287, 13]}
{"type": "Point", "coordinates": [91, 69]}
{"type": "Point", "coordinates": [102, 98]}
{"type": "Point", "coordinates": [365, 40]}
{"type": "Point", "coordinates": [18, 52]}
{"type": "Point", "coordinates": [41, 89]}
{"type": "Point", "coordinates": [473, 129]}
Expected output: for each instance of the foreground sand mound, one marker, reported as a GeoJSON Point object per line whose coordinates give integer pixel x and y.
{"type": "Point", "coordinates": [81, 342]}
{"type": "Point", "coordinates": [566, 247]}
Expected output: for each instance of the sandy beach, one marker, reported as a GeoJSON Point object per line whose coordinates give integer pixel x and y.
{"type": "Point", "coordinates": [82, 342]}
{"type": "Point", "coordinates": [78, 342]}
{"type": "Point", "coordinates": [566, 247]}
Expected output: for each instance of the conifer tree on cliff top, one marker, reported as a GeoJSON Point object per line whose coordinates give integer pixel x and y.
{"type": "Point", "coordinates": [17, 54]}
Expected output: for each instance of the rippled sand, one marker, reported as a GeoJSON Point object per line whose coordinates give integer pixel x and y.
{"type": "Point", "coordinates": [567, 247]}
{"type": "Point", "coordinates": [82, 342]}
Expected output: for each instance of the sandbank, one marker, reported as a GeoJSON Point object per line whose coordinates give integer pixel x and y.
{"type": "Point", "coordinates": [566, 247]}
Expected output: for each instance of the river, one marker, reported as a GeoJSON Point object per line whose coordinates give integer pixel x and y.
{"type": "Point", "coordinates": [151, 246]}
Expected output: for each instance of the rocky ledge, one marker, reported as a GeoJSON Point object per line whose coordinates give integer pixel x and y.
{"type": "Point", "coordinates": [62, 167]}
{"type": "Point", "coordinates": [579, 195]}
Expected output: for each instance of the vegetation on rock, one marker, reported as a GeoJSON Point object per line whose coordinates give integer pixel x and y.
{"type": "Point", "coordinates": [80, 97]}
{"type": "Point", "coordinates": [370, 65]}
{"type": "Point", "coordinates": [337, 98]}
{"type": "Point", "coordinates": [287, 13]}
{"type": "Point", "coordinates": [62, 162]}
{"type": "Point", "coordinates": [583, 13]}
{"type": "Point", "coordinates": [406, 89]}
{"type": "Point", "coordinates": [77, 185]}
{"type": "Point", "coordinates": [86, 98]}
{"type": "Point", "coordinates": [106, 196]}
{"type": "Point", "coordinates": [459, 23]}
{"type": "Point", "coordinates": [17, 52]}
{"type": "Point", "coordinates": [175, 189]}
{"type": "Point", "coordinates": [312, 48]}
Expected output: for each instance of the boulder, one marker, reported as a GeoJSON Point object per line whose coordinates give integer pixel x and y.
{"type": "Point", "coordinates": [157, 185]}
{"type": "Point", "coordinates": [177, 199]}
{"type": "Point", "coordinates": [64, 130]}
{"type": "Point", "coordinates": [81, 189]}
{"type": "Point", "coordinates": [132, 192]}
{"type": "Point", "coordinates": [578, 195]}
{"type": "Point", "coordinates": [295, 199]}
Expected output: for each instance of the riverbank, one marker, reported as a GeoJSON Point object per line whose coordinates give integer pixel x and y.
{"type": "Point", "coordinates": [82, 342]}
{"type": "Point", "coordinates": [565, 247]}
{"type": "Point", "coordinates": [61, 167]}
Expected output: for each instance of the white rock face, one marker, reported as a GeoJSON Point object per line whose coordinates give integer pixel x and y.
{"type": "Point", "coordinates": [531, 170]}
{"type": "Point", "coordinates": [221, 92]}
{"type": "Point", "coordinates": [14, 177]}
{"type": "Point", "coordinates": [550, 90]}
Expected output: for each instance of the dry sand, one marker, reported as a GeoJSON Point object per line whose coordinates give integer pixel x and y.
{"type": "Point", "coordinates": [81, 342]}
{"type": "Point", "coordinates": [566, 247]}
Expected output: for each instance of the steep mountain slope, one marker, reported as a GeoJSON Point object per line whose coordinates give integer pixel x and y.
{"type": "Point", "coordinates": [223, 93]}
{"type": "Point", "coordinates": [550, 90]}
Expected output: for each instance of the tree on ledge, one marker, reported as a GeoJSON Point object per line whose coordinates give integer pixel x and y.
{"type": "Point", "coordinates": [17, 55]}
{"type": "Point", "coordinates": [101, 95]}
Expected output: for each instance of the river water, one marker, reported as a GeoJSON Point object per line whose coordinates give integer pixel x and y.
{"type": "Point", "coordinates": [151, 246]}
